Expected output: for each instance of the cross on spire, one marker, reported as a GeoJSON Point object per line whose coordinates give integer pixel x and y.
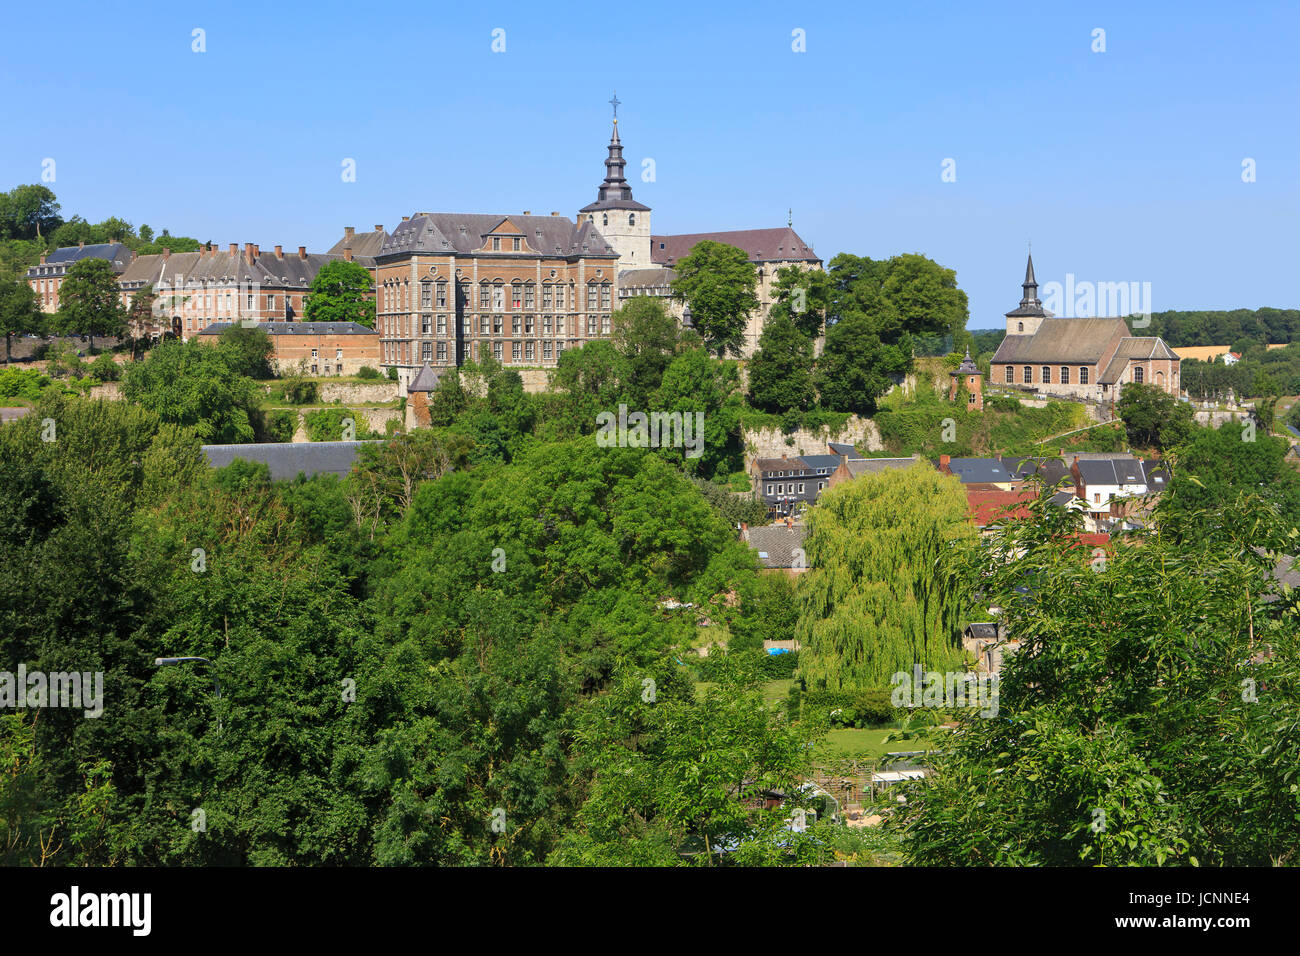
{"type": "Point", "coordinates": [614, 102]}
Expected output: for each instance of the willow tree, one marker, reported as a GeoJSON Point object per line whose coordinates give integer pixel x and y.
{"type": "Point", "coordinates": [883, 589]}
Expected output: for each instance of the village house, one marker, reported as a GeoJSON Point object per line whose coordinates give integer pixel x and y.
{"type": "Point", "coordinates": [779, 546]}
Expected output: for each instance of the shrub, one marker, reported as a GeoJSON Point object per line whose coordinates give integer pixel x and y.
{"type": "Point", "coordinates": [367, 372]}
{"type": "Point", "coordinates": [392, 373]}
{"type": "Point", "coordinates": [327, 424]}
{"type": "Point", "coordinates": [848, 708]}
{"type": "Point", "coordinates": [22, 383]}
{"type": "Point", "coordinates": [300, 391]}
{"type": "Point", "coordinates": [105, 369]}
{"type": "Point", "coordinates": [279, 425]}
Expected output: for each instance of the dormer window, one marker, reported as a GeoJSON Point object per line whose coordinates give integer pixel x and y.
{"type": "Point", "coordinates": [496, 243]}
{"type": "Point", "coordinates": [515, 244]}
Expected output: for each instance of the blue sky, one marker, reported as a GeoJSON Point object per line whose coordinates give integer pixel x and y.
{"type": "Point", "coordinates": [1119, 166]}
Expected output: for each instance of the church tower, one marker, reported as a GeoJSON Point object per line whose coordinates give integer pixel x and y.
{"type": "Point", "coordinates": [620, 219]}
{"type": "Point", "coordinates": [1025, 319]}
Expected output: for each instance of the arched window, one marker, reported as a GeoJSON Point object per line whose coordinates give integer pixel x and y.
{"type": "Point", "coordinates": [1137, 374]}
{"type": "Point", "coordinates": [484, 296]}
{"type": "Point", "coordinates": [1020, 326]}
{"type": "Point", "coordinates": [1065, 375]}
{"type": "Point", "coordinates": [516, 295]}
{"type": "Point", "coordinates": [1028, 378]}
{"type": "Point", "coordinates": [604, 219]}
{"type": "Point", "coordinates": [1011, 375]}
{"type": "Point", "coordinates": [631, 219]}
{"type": "Point", "coordinates": [1047, 375]}
{"type": "Point", "coordinates": [1083, 375]}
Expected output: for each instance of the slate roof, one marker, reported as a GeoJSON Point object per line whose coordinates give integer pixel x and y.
{"type": "Point", "coordinates": [1157, 474]}
{"type": "Point", "coordinates": [364, 245]}
{"type": "Point", "coordinates": [183, 271]}
{"type": "Point", "coordinates": [454, 233]}
{"type": "Point", "coordinates": [13, 414]}
{"type": "Point", "coordinates": [874, 466]}
{"type": "Point", "coordinates": [1051, 470]}
{"type": "Point", "coordinates": [426, 379]}
{"type": "Point", "coordinates": [1078, 341]}
{"type": "Point", "coordinates": [789, 465]}
{"type": "Point", "coordinates": [829, 462]}
{"type": "Point", "coordinates": [761, 245]}
{"type": "Point", "coordinates": [775, 544]}
{"type": "Point", "coordinates": [289, 459]}
{"type": "Point", "coordinates": [60, 260]}
{"type": "Point", "coordinates": [839, 448]}
{"type": "Point", "coordinates": [1135, 347]}
{"type": "Point", "coordinates": [1111, 471]}
{"type": "Point", "coordinates": [646, 279]}
{"type": "Point", "coordinates": [981, 470]}
{"type": "Point", "coordinates": [983, 630]}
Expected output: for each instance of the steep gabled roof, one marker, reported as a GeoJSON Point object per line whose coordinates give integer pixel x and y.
{"type": "Point", "coordinates": [1062, 341]}
{"type": "Point", "coordinates": [761, 245]}
{"type": "Point", "coordinates": [426, 379]}
{"type": "Point", "coordinates": [1135, 348]}
{"type": "Point", "coordinates": [454, 233]}
{"type": "Point", "coordinates": [776, 543]}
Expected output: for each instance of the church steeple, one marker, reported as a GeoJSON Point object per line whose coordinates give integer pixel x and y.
{"type": "Point", "coordinates": [1025, 318]}
{"type": "Point", "coordinates": [620, 219]}
{"type": "Point", "coordinates": [615, 187]}
{"type": "Point", "coordinates": [1030, 286]}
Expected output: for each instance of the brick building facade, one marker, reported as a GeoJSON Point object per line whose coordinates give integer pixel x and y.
{"type": "Point", "coordinates": [317, 348]}
{"type": "Point", "coordinates": [46, 278]}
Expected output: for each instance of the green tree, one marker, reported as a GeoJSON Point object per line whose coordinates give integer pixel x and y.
{"type": "Point", "coordinates": [856, 367]}
{"type": "Point", "coordinates": [717, 281]}
{"type": "Point", "coordinates": [247, 351]}
{"type": "Point", "coordinates": [20, 313]}
{"type": "Point", "coordinates": [780, 373]}
{"type": "Point", "coordinates": [28, 212]}
{"type": "Point", "coordinates": [90, 302]}
{"type": "Point", "coordinates": [1141, 738]}
{"type": "Point", "coordinates": [341, 292]}
{"type": "Point", "coordinates": [192, 384]}
{"type": "Point", "coordinates": [695, 384]}
{"type": "Point", "coordinates": [645, 335]}
{"type": "Point", "coordinates": [1153, 418]}
{"type": "Point", "coordinates": [882, 595]}
{"type": "Point", "coordinates": [803, 296]}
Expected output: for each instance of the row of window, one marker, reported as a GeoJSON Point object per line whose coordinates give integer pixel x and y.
{"type": "Point", "coordinates": [1046, 379]}
{"type": "Point", "coordinates": [395, 296]}
{"type": "Point", "coordinates": [519, 352]}
{"type": "Point", "coordinates": [396, 326]}
{"type": "Point", "coordinates": [780, 488]}
{"type": "Point", "coordinates": [1027, 375]}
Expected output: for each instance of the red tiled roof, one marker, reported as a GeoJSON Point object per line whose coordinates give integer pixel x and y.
{"type": "Point", "coordinates": [990, 507]}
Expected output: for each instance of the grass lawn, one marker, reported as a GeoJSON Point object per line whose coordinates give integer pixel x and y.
{"type": "Point", "coordinates": [774, 691]}
{"type": "Point", "coordinates": [841, 742]}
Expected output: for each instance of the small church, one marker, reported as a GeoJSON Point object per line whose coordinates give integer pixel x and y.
{"type": "Point", "coordinates": [1078, 358]}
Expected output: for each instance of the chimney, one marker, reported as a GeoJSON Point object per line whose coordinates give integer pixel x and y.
{"type": "Point", "coordinates": [348, 232]}
{"type": "Point", "coordinates": [944, 462]}
{"type": "Point", "coordinates": [257, 251]}
{"type": "Point", "coordinates": [528, 212]}
{"type": "Point", "coordinates": [42, 258]}
{"type": "Point", "coordinates": [555, 214]}
{"type": "Point", "coordinates": [379, 227]}
{"type": "Point", "coordinates": [234, 248]}
{"type": "Point", "coordinates": [133, 255]}
{"type": "Point", "coordinates": [406, 219]}
{"type": "Point", "coordinates": [789, 522]}
{"type": "Point", "coordinates": [248, 253]}
{"type": "Point", "coordinates": [302, 252]}
{"type": "Point", "coordinates": [279, 252]}
{"type": "Point", "coordinates": [166, 253]}
{"type": "Point", "coordinates": [347, 254]}
{"type": "Point", "coordinates": [744, 526]}
{"type": "Point", "coordinates": [81, 244]}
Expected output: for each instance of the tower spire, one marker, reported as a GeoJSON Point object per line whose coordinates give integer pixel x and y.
{"type": "Point", "coordinates": [1030, 286]}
